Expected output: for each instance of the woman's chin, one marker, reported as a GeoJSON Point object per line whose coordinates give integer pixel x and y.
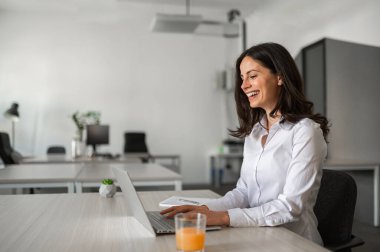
{"type": "Point", "coordinates": [253, 105]}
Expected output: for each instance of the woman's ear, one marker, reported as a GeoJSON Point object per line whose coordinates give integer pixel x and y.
{"type": "Point", "coordinates": [279, 80]}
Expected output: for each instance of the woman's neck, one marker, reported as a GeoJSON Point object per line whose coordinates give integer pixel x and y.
{"type": "Point", "coordinates": [272, 120]}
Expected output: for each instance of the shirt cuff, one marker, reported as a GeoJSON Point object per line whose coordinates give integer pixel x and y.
{"type": "Point", "coordinates": [241, 218]}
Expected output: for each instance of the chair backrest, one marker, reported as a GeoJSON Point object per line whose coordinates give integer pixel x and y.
{"type": "Point", "coordinates": [335, 207]}
{"type": "Point", "coordinates": [134, 142]}
{"type": "Point", "coordinates": [6, 149]}
{"type": "Point", "coordinates": [56, 150]}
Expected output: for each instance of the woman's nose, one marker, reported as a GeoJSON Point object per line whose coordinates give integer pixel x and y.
{"type": "Point", "coordinates": [245, 84]}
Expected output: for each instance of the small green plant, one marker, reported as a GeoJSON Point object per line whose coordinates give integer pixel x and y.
{"type": "Point", "coordinates": [107, 181]}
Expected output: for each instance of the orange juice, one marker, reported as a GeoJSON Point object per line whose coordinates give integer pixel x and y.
{"type": "Point", "coordinates": [190, 239]}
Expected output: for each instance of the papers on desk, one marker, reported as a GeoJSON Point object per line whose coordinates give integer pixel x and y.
{"type": "Point", "coordinates": [179, 201]}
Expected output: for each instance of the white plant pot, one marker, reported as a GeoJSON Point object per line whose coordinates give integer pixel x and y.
{"type": "Point", "coordinates": [107, 191]}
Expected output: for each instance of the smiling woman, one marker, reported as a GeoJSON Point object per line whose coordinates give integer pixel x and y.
{"type": "Point", "coordinates": [283, 152]}
{"type": "Point", "coordinates": [260, 85]}
{"type": "Point", "coordinates": [271, 72]}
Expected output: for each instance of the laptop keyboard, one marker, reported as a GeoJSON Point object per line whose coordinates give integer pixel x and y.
{"type": "Point", "coordinates": [160, 222]}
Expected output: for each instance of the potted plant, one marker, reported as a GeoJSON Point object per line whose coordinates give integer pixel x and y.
{"type": "Point", "coordinates": [107, 188]}
{"type": "Point", "coordinates": [80, 120]}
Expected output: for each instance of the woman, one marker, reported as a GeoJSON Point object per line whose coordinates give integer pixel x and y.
{"type": "Point", "coordinates": [285, 145]}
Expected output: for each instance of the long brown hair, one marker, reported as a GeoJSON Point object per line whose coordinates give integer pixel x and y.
{"type": "Point", "coordinates": [292, 102]}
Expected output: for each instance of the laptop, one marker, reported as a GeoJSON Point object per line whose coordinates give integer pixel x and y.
{"type": "Point", "coordinates": [154, 222]}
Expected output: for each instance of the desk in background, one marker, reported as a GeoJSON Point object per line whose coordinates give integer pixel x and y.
{"type": "Point", "coordinates": [88, 222]}
{"type": "Point", "coordinates": [141, 175]}
{"type": "Point", "coordinates": [66, 159]}
{"type": "Point", "coordinates": [172, 162]}
{"type": "Point", "coordinates": [27, 176]}
{"type": "Point", "coordinates": [75, 176]}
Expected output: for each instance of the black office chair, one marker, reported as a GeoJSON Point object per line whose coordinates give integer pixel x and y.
{"type": "Point", "coordinates": [134, 143]}
{"type": "Point", "coordinates": [7, 153]}
{"type": "Point", "coordinates": [334, 209]}
{"type": "Point", "coordinates": [56, 150]}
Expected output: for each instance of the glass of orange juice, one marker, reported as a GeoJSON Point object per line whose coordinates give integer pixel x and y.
{"type": "Point", "coordinates": [190, 232]}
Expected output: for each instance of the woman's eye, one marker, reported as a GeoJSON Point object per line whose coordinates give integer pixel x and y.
{"type": "Point", "coordinates": [252, 77]}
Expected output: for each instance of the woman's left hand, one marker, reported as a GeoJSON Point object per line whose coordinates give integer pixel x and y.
{"type": "Point", "coordinates": [213, 217]}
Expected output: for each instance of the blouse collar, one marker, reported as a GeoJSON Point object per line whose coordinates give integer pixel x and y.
{"type": "Point", "coordinates": [282, 123]}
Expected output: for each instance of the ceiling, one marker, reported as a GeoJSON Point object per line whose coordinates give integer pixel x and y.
{"type": "Point", "coordinates": [246, 7]}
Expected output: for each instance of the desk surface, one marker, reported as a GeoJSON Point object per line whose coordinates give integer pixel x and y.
{"type": "Point", "coordinates": [137, 172]}
{"type": "Point", "coordinates": [39, 173]}
{"type": "Point", "coordinates": [61, 158]}
{"type": "Point", "coordinates": [88, 222]}
{"type": "Point", "coordinates": [33, 174]}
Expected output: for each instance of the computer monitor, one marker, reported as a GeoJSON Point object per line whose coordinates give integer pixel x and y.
{"type": "Point", "coordinates": [96, 135]}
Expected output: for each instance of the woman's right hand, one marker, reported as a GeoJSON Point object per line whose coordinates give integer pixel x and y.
{"type": "Point", "coordinates": [171, 211]}
{"type": "Point", "coordinates": [213, 217]}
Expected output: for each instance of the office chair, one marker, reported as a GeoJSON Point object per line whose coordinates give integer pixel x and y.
{"type": "Point", "coordinates": [134, 143]}
{"type": "Point", "coordinates": [334, 209]}
{"type": "Point", "coordinates": [56, 150]}
{"type": "Point", "coordinates": [8, 155]}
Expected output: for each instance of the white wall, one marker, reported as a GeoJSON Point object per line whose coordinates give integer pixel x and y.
{"type": "Point", "coordinates": [57, 59]}
{"type": "Point", "coordinates": [297, 23]}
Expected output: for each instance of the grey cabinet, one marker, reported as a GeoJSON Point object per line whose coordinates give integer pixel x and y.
{"type": "Point", "coordinates": [342, 79]}
{"type": "Point", "coordinates": [312, 63]}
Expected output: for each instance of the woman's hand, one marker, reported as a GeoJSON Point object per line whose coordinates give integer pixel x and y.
{"type": "Point", "coordinates": [213, 217]}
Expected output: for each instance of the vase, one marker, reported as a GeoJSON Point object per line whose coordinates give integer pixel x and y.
{"type": "Point", "coordinates": [77, 148]}
{"type": "Point", "coordinates": [107, 191]}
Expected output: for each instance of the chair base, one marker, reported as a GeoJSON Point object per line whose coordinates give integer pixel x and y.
{"type": "Point", "coordinates": [346, 247]}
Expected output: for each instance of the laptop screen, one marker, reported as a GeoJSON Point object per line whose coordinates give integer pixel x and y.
{"type": "Point", "coordinates": [133, 203]}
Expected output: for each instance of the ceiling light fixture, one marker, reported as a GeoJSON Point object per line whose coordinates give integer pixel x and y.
{"type": "Point", "coordinates": [177, 23]}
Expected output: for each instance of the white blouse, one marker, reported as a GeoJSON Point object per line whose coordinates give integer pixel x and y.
{"type": "Point", "coordinates": [279, 181]}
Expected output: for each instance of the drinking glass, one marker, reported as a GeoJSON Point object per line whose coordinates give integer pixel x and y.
{"type": "Point", "coordinates": [190, 232]}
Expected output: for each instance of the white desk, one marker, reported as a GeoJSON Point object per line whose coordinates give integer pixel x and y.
{"type": "Point", "coordinates": [88, 222]}
{"type": "Point", "coordinates": [141, 175]}
{"type": "Point", "coordinates": [344, 165]}
{"type": "Point", "coordinates": [76, 176]}
{"type": "Point", "coordinates": [26, 176]}
{"type": "Point", "coordinates": [65, 159]}
{"type": "Point", "coordinates": [174, 163]}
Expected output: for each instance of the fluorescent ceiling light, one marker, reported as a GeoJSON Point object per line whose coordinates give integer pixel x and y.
{"type": "Point", "coordinates": [175, 23]}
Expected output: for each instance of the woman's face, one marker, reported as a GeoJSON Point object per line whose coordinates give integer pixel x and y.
{"type": "Point", "coordinates": [261, 86]}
